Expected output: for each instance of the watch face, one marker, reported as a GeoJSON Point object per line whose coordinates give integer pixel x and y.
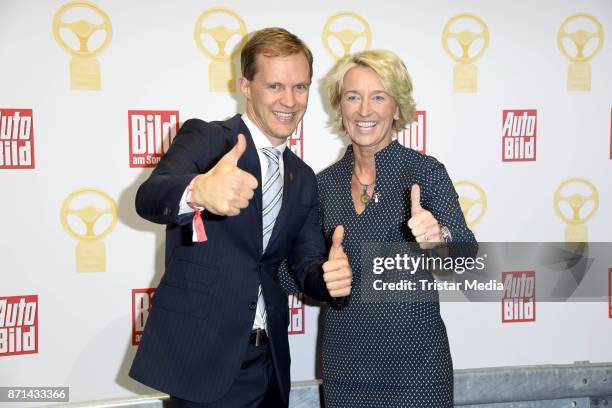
{"type": "Point", "coordinates": [446, 235]}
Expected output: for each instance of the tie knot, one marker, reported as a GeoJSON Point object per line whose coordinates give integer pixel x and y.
{"type": "Point", "coordinates": [272, 154]}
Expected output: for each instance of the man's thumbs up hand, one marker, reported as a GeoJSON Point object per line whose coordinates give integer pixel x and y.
{"type": "Point", "coordinates": [236, 153]}
{"type": "Point", "coordinates": [422, 223]}
{"type": "Point", "coordinates": [225, 189]}
{"type": "Point", "coordinates": [337, 272]}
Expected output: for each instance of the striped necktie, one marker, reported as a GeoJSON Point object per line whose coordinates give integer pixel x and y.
{"type": "Point", "coordinates": [272, 199]}
{"type": "Point", "coordinates": [272, 193]}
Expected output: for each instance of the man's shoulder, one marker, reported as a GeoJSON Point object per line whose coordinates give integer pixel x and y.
{"type": "Point", "coordinates": [217, 126]}
{"type": "Point", "coordinates": [298, 164]}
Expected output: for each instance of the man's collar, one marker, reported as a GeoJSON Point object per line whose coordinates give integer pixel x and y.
{"type": "Point", "coordinates": [259, 139]}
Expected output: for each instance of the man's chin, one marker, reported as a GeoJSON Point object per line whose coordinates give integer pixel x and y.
{"type": "Point", "coordinates": [285, 133]}
{"type": "Point", "coordinates": [281, 137]}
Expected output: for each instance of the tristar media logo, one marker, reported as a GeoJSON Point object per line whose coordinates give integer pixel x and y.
{"type": "Point", "coordinates": [519, 298]}
{"type": "Point", "coordinates": [415, 135]}
{"type": "Point", "coordinates": [18, 325]}
{"type": "Point", "coordinates": [16, 139]}
{"type": "Point", "coordinates": [296, 140]}
{"type": "Point", "coordinates": [296, 314]}
{"type": "Point", "coordinates": [519, 129]}
{"type": "Point", "coordinates": [141, 305]}
{"type": "Point", "coordinates": [151, 133]}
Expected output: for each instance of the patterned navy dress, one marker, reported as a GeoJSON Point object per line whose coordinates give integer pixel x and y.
{"type": "Point", "coordinates": [396, 353]}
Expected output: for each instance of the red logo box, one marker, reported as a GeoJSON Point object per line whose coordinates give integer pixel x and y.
{"type": "Point", "coordinates": [296, 140]}
{"type": "Point", "coordinates": [141, 305]}
{"type": "Point", "coordinates": [519, 298]}
{"type": "Point", "coordinates": [18, 325]}
{"type": "Point", "coordinates": [519, 132]}
{"type": "Point", "coordinates": [296, 314]}
{"type": "Point", "coordinates": [415, 136]}
{"type": "Point", "coordinates": [150, 135]}
{"type": "Point", "coordinates": [16, 139]}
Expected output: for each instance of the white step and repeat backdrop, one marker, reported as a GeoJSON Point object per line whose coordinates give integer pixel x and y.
{"type": "Point", "coordinates": [514, 97]}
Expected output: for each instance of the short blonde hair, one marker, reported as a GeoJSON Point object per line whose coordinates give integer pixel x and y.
{"type": "Point", "coordinates": [392, 73]}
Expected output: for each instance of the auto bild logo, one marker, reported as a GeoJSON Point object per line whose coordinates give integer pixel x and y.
{"type": "Point", "coordinates": [150, 135]}
{"type": "Point", "coordinates": [141, 305]}
{"type": "Point", "coordinates": [519, 129]}
{"type": "Point", "coordinates": [519, 297]}
{"type": "Point", "coordinates": [16, 139]}
{"type": "Point", "coordinates": [18, 325]}
{"type": "Point", "coordinates": [415, 135]}
{"type": "Point", "coordinates": [296, 140]}
{"type": "Point", "coordinates": [296, 314]}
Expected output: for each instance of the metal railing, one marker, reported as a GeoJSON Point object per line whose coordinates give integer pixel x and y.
{"type": "Point", "coordinates": [578, 385]}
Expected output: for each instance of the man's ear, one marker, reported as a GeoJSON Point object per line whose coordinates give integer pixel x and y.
{"type": "Point", "coordinates": [245, 87]}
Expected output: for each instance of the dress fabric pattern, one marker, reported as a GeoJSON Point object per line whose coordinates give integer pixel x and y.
{"type": "Point", "coordinates": [396, 353]}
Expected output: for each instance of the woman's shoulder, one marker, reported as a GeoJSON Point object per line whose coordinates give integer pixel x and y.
{"type": "Point", "coordinates": [412, 155]}
{"type": "Point", "coordinates": [329, 179]}
{"type": "Point", "coordinates": [330, 172]}
{"type": "Point", "coordinates": [333, 172]}
{"type": "Point", "coordinates": [414, 159]}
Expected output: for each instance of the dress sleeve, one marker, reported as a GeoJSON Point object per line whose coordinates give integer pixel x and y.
{"type": "Point", "coordinates": [440, 198]}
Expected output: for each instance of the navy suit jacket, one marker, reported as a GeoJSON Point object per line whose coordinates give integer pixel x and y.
{"type": "Point", "coordinates": [204, 307]}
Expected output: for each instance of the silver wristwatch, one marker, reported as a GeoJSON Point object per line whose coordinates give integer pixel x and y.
{"type": "Point", "coordinates": [445, 234]}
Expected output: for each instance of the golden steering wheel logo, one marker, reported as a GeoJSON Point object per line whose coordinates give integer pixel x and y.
{"type": "Point", "coordinates": [579, 46]}
{"type": "Point", "coordinates": [576, 201]}
{"type": "Point", "coordinates": [227, 31]}
{"type": "Point", "coordinates": [472, 200]}
{"type": "Point", "coordinates": [94, 217]}
{"type": "Point", "coordinates": [77, 26]}
{"type": "Point", "coordinates": [356, 32]}
{"type": "Point", "coordinates": [465, 38]}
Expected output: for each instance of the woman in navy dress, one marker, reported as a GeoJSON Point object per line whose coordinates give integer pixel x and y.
{"type": "Point", "coordinates": [384, 353]}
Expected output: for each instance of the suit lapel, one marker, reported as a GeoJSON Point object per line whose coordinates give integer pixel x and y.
{"type": "Point", "coordinates": [249, 162]}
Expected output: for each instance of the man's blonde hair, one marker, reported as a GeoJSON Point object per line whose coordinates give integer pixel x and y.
{"type": "Point", "coordinates": [271, 42]}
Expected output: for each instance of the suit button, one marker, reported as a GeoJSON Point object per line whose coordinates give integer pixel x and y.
{"type": "Point", "coordinates": [253, 305]}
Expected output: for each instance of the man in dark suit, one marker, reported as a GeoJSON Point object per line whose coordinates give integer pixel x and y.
{"type": "Point", "coordinates": [237, 202]}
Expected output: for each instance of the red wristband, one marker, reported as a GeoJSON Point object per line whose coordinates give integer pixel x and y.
{"type": "Point", "coordinates": [199, 233]}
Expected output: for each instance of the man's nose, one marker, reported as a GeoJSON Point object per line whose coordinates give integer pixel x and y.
{"type": "Point", "coordinates": [288, 98]}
